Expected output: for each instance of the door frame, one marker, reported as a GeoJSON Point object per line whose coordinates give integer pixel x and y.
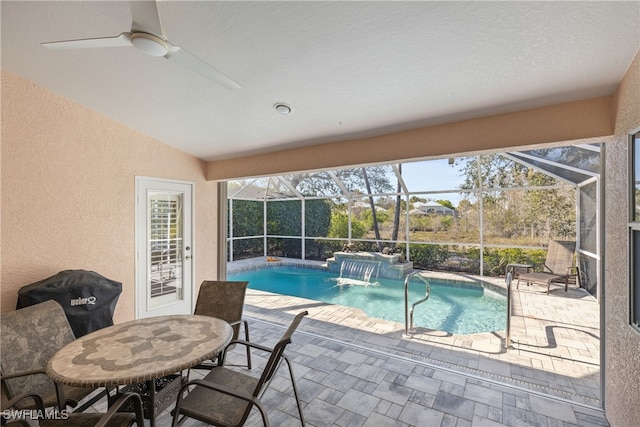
{"type": "Point", "coordinates": [141, 244]}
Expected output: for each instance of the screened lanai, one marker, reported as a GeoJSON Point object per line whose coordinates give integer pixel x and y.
{"type": "Point", "coordinates": [471, 214]}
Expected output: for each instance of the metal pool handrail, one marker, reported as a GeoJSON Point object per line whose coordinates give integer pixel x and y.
{"type": "Point", "coordinates": [507, 340]}
{"type": "Point", "coordinates": [408, 315]}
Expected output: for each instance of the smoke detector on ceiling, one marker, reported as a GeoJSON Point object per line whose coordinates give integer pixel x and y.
{"type": "Point", "coordinates": [282, 108]}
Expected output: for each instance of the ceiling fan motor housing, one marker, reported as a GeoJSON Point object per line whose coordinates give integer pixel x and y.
{"type": "Point", "coordinates": [149, 44]}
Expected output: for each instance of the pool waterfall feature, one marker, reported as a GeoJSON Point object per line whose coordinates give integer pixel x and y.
{"type": "Point", "coordinates": [362, 271]}
{"type": "Point", "coordinates": [386, 266]}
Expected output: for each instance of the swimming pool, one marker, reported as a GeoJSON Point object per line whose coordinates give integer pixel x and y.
{"type": "Point", "coordinates": [456, 309]}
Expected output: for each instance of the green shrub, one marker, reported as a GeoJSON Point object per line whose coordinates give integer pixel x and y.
{"type": "Point", "coordinates": [496, 260]}
{"type": "Point", "coordinates": [317, 217]}
{"type": "Point", "coordinates": [284, 218]}
{"type": "Point", "coordinates": [428, 256]}
{"type": "Point", "coordinates": [320, 250]}
{"type": "Point", "coordinates": [248, 217]}
{"type": "Point", "coordinates": [340, 226]}
{"type": "Point", "coordinates": [367, 218]}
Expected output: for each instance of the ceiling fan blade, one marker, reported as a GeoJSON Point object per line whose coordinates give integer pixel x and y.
{"type": "Point", "coordinates": [197, 65]}
{"type": "Point", "coordinates": [145, 18]}
{"type": "Point", "coordinates": [123, 40]}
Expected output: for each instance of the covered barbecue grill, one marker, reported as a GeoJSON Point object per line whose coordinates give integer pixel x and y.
{"type": "Point", "coordinates": [88, 298]}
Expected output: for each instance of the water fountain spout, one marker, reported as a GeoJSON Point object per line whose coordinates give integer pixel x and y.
{"type": "Point", "coordinates": [363, 271]}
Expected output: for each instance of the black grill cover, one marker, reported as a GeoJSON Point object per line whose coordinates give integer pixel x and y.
{"type": "Point", "coordinates": [88, 299]}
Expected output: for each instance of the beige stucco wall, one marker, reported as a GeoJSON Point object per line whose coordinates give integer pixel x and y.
{"type": "Point", "coordinates": [68, 183]}
{"type": "Point", "coordinates": [556, 123]}
{"type": "Point", "coordinates": [621, 342]}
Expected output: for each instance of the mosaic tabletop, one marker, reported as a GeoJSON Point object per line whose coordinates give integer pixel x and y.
{"type": "Point", "coordinates": [139, 350]}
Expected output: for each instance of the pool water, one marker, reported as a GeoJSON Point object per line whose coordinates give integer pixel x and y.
{"type": "Point", "coordinates": [459, 310]}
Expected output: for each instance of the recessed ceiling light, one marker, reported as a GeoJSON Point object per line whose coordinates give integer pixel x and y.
{"type": "Point", "coordinates": [282, 108]}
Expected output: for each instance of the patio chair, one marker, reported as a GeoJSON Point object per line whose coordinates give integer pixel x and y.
{"type": "Point", "coordinates": [224, 300]}
{"type": "Point", "coordinates": [28, 338]}
{"type": "Point", "coordinates": [225, 396]}
{"type": "Point", "coordinates": [112, 418]}
{"type": "Point", "coordinates": [559, 266]}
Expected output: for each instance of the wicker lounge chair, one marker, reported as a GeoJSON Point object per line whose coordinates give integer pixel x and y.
{"type": "Point", "coordinates": [226, 396]}
{"type": "Point", "coordinates": [558, 266]}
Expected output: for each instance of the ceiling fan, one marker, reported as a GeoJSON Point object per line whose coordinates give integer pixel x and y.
{"type": "Point", "coordinates": [148, 36]}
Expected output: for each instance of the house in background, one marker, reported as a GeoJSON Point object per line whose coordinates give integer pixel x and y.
{"type": "Point", "coordinates": [434, 208]}
{"type": "Point", "coordinates": [79, 127]}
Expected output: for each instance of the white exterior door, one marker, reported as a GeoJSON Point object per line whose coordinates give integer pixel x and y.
{"type": "Point", "coordinates": [164, 247]}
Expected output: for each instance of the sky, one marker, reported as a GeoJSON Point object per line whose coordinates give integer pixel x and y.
{"type": "Point", "coordinates": [432, 175]}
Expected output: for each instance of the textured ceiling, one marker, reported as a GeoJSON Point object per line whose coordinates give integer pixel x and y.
{"type": "Point", "coordinates": [348, 69]}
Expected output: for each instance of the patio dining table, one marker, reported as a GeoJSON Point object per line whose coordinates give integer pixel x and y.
{"type": "Point", "coordinates": [140, 352]}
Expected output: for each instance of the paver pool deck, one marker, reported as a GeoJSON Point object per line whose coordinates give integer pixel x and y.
{"type": "Point", "coordinates": [355, 370]}
{"type": "Point", "coordinates": [549, 376]}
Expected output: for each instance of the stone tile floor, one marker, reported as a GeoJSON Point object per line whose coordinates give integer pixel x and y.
{"type": "Point", "coordinates": [353, 370]}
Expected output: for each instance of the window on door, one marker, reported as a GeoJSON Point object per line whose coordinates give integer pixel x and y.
{"type": "Point", "coordinates": [164, 247]}
{"type": "Point", "coordinates": [634, 232]}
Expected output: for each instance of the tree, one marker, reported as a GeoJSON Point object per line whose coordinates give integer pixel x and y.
{"type": "Point", "coordinates": [396, 215]}
{"type": "Point", "coordinates": [339, 227]}
{"type": "Point", "coordinates": [247, 221]}
{"type": "Point", "coordinates": [553, 211]}
{"type": "Point", "coordinates": [284, 217]}
{"type": "Point", "coordinates": [367, 216]}
{"type": "Point", "coordinates": [446, 222]}
{"type": "Point", "coordinates": [247, 218]}
{"type": "Point", "coordinates": [376, 227]}
{"type": "Point", "coordinates": [374, 179]}
{"type": "Point", "coordinates": [548, 213]}
{"type": "Point", "coordinates": [317, 217]}
{"type": "Point", "coordinates": [496, 171]}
